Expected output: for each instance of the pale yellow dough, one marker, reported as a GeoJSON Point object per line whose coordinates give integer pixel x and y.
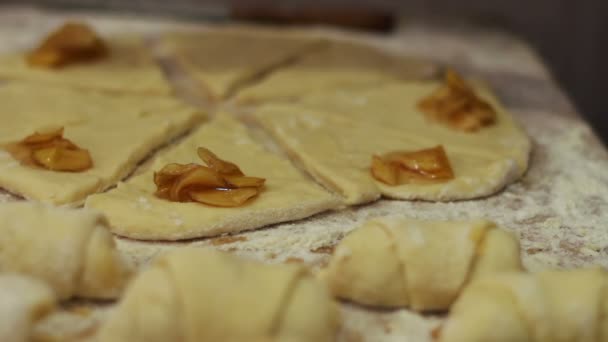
{"type": "Point", "coordinates": [393, 262]}
{"type": "Point", "coordinates": [337, 65]}
{"type": "Point", "coordinates": [71, 250]}
{"type": "Point", "coordinates": [118, 130]}
{"type": "Point", "coordinates": [334, 135]}
{"type": "Point", "coordinates": [223, 60]}
{"type": "Point", "coordinates": [24, 302]}
{"type": "Point", "coordinates": [129, 68]}
{"type": "Point", "coordinates": [135, 212]}
{"type": "Point", "coordinates": [198, 295]}
{"type": "Point", "coordinates": [551, 306]}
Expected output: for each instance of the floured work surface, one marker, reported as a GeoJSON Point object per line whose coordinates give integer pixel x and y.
{"type": "Point", "coordinates": [557, 209]}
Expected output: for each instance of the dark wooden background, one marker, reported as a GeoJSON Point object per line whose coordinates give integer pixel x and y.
{"type": "Point", "coordinates": [571, 35]}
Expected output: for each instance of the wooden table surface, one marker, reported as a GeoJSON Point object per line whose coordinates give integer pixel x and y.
{"type": "Point", "coordinates": [559, 209]}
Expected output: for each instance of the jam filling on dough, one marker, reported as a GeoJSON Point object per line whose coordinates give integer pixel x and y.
{"type": "Point", "coordinates": [220, 183]}
{"type": "Point", "coordinates": [456, 105]}
{"type": "Point", "coordinates": [50, 150]}
{"type": "Point", "coordinates": [72, 43]}
{"type": "Point", "coordinates": [404, 167]}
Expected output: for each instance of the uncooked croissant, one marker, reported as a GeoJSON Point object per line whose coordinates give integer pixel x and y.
{"type": "Point", "coordinates": [395, 262]}
{"type": "Point", "coordinates": [24, 301]}
{"type": "Point", "coordinates": [551, 306]}
{"type": "Point", "coordinates": [72, 250]}
{"type": "Point", "coordinates": [197, 295]}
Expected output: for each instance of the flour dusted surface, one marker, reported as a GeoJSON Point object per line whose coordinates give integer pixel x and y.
{"type": "Point", "coordinates": [558, 209]}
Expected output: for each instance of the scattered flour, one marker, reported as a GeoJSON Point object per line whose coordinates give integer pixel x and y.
{"type": "Point", "coordinates": [559, 210]}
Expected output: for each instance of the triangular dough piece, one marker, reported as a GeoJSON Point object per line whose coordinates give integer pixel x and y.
{"type": "Point", "coordinates": [223, 60]}
{"type": "Point", "coordinates": [118, 130]}
{"type": "Point", "coordinates": [129, 68]}
{"type": "Point", "coordinates": [135, 212]}
{"type": "Point", "coordinates": [341, 64]}
{"type": "Point", "coordinates": [334, 136]}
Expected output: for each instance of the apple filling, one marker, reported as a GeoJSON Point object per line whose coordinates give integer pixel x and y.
{"type": "Point", "coordinates": [220, 183]}
{"type": "Point", "coordinates": [456, 105]}
{"type": "Point", "coordinates": [403, 167]}
{"type": "Point", "coordinates": [50, 150]}
{"type": "Point", "coordinates": [72, 43]}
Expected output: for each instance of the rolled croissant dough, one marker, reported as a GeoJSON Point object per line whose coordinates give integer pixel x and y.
{"type": "Point", "coordinates": [129, 68]}
{"type": "Point", "coordinates": [206, 295]}
{"type": "Point", "coordinates": [394, 262]}
{"type": "Point", "coordinates": [118, 130]}
{"type": "Point", "coordinates": [551, 306]}
{"type": "Point", "coordinates": [24, 301]}
{"type": "Point", "coordinates": [334, 135]}
{"type": "Point", "coordinates": [135, 212]}
{"type": "Point", "coordinates": [71, 250]}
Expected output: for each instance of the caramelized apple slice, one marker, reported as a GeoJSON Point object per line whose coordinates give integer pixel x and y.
{"type": "Point", "coordinates": [425, 161]}
{"type": "Point", "coordinates": [61, 159]}
{"type": "Point", "coordinates": [385, 172]}
{"type": "Point", "coordinates": [220, 183]}
{"type": "Point", "coordinates": [20, 152]}
{"type": "Point", "coordinates": [44, 137]}
{"type": "Point", "coordinates": [244, 181]}
{"type": "Point", "coordinates": [429, 165]}
{"type": "Point", "coordinates": [224, 197]}
{"type": "Point", "coordinates": [50, 150]}
{"type": "Point", "coordinates": [455, 104]}
{"type": "Point", "coordinates": [170, 172]}
{"type": "Point", "coordinates": [455, 82]}
{"type": "Point", "coordinates": [72, 43]}
{"type": "Point", "coordinates": [163, 191]}
{"type": "Point", "coordinates": [199, 178]}
{"type": "Point", "coordinates": [217, 164]}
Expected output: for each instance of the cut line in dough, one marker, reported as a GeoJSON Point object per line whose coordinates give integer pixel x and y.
{"type": "Point", "coordinates": [339, 64]}
{"type": "Point", "coordinates": [224, 60]}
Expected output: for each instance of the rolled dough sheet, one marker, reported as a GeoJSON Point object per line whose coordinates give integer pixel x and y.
{"type": "Point", "coordinates": [334, 135]}
{"type": "Point", "coordinates": [223, 60]}
{"type": "Point", "coordinates": [129, 68]}
{"type": "Point", "coordinates": [288, 195]}
{"type": "Point", "coordinates": [339, 64]}
{"type": "Point", "coordinates": [118, 130]}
